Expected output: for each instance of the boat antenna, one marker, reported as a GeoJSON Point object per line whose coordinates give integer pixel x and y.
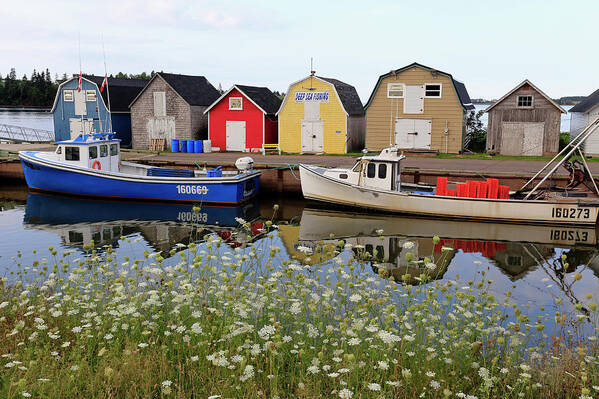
{"type": "Point", "coordinates": [79, 82]}
{"type": "Point", "coordinates": [107, 88]}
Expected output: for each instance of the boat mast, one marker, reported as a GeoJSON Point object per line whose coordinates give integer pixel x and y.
{"type": "Point", "coordinates": [107, 88]}
{"type": "Point", "coordinates": [571, 148]}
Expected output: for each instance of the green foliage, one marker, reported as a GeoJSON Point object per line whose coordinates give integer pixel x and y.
{"type": "Point", "coordinates": [143, 75]}
{"type": "Point", "coordinates": [564, 139]}
{"type": "Point", "coordinates": [37, 91]}
{"type": "Point", "coordinates": [476, 135]}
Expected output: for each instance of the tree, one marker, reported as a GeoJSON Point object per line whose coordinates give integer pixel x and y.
{"type": "Point", "coordinates": [476, 135]}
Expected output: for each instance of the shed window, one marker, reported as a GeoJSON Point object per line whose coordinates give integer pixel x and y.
{"type": "Point", "coordinates": [525, 101]}
{"type": "Point", "coordinates": [383, 171]}
{"type": "Point", "coordinates": [71, 153]}
{"type": "Point", "coordinates": [93, 152]}
{"type": "Point", "coordinates": [67, 95]}
{"type": "Point", "coordinates": [235, 103]}
{"type": "Point", "coordinates": [432, 90]}
{"type": "Point", "coordinates": [104, 150]}
{"type": "Point", "coordinates": [395, 90]}
{"type": "Point", "coordinates": [114, 149]}
{"type": "Point", "coordinates": [371, 172]}
{"type": "Point", "coordinates": [90, 95]}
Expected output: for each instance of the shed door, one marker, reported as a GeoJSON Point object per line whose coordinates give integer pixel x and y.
{"type": "Point", "coordinates": [312, 110]}
{"type": "Point", "coordinates": [413, 133]}
{"type": "Point", "coordinates": [80, 106]}
{"type": "Point", "coordinates": [235, 136]}
{"type": "Point", "coordinates": [522, 138]}
{"type": "Point", "coordinates": [79, 126]}
{"type": "Point", "coordinates": [413, 102]}
{"type": "Point", "coordinates": [312, 136]}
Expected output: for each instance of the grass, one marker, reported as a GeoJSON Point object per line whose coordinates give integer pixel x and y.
{"type": "Point", "coordinates": [210, 321]}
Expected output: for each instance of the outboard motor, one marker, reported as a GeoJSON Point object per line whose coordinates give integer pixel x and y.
{"type": "Point", "coordinates": [244, 164]}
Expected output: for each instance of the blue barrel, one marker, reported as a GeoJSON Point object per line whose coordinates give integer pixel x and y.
{"type": "Point", "coordinates": [189, 145]}
{"type": "Point", "coordinates": [198, 146]}
{"type": "Point", "coordinates": [183, 145]}
{"type": "Point", "coordinates": [174, 145]}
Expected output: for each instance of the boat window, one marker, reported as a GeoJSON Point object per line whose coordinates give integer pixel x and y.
{"type": "Point", "coordinates": [93, 152]}
{"type": "Point", "coordinates": [357, 167]}
{"type": "Point", "coordinates": [104, 150]}
{"type": "Point", "coordinates": [371, 172]}
{"type": "Point", "coordinates": [114, 149]}
{"type": "Point", "coordinates": [382, 171]}
{"type": "Point", "coordinates": [343, 175]}
{"type": "Point", "coordinates": [59, 150]}
{"type": "Point", "coordinates": [71, 153]}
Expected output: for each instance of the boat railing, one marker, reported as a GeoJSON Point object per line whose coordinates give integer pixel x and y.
{"type": "Point", "coordinates": [572, 147]}
{"type": "Point", "coordinates": [20, 133]}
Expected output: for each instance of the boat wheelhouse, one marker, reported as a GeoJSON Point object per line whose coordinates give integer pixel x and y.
{"type": "Point", "coordinates": [90, 165]}
{"type": "Point", "coordinates": [375, 182]}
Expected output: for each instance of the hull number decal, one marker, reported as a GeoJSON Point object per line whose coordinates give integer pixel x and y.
{"type": "Point", "coordinates": [201, 217]}
{"type": "Point", "coordinates": [571, 213]}
{"type": "Point", "coordinates": [569, 235]}
{"type": "Point", "coordinates": [189, 189]}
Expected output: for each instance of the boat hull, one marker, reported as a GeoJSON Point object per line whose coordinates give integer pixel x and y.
{"type": "Point", "coordinates": [43, 175]}
{"type": "Point", "coordinates": [315, 186]}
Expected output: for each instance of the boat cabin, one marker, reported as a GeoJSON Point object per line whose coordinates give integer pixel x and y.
{"type": "Point", "coordinates": [381, 171]}
{"type": "Point", "coordinates": [96, 151]}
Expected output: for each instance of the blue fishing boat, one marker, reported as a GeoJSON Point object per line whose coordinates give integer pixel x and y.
{"type": "Point", "coordinates": [90, 165]}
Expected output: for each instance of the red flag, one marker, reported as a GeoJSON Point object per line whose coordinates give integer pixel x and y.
{"type": "Point", "coordinates": [79, 86]}
{"type": "Point", "coordinates": [104, 83]}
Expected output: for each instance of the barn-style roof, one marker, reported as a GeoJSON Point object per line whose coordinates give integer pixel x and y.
{"type": "Point", "coordinates": [262, 98]}
{"type": "Point", "coordinates": [459, 87]}
{"type": "Point", "coordinates": [348, 95]}
{"type": "Point", "coordinates": [587, 104]}
{"type": "Point", "coordinates": [195, 90]}
{"type": "Point", "coordinates": [527, 82]}
{"type": "Point", "coordinates": [122, 91]}
{"type": "Point", "coordinates": [350, 100]}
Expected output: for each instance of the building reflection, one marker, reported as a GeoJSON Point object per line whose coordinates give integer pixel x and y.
{"type": "Point", "coordinates": [163, 225]}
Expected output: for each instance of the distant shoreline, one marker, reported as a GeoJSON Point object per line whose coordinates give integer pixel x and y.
{"type": "Point", "coordinates": [24, 108]}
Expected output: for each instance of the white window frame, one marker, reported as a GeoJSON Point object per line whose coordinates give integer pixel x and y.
{"type": "Point", "coordinates": [403, 90]}
{"type": "Point", "coordinates": [71, 94]}
{"type": "Point", "coordinates": [440, 90]}
{"type": "Point", "coordinates": [89, 93]}
{"type": "Point", "coordinates": [532, 101]}
{"type": "Point", "coordinates": [231, 108]}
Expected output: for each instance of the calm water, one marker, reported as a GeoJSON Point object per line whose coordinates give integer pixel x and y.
{"type": "Point", "coordinates": [36, 120]}
{"type": "Point", "coordinates": [525, 260]}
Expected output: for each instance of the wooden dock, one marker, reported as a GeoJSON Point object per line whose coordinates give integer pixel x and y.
{"type": "Point", "coordinates": [280, 174]}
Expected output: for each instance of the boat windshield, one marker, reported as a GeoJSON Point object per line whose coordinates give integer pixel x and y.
{"type": "Point", "coordinates": [357, 167]}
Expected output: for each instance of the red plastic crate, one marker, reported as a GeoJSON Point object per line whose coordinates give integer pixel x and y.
{"type": "Point", "coordinates": [493, 188]}
{"type": "Point", "coordinates": [441, 185]}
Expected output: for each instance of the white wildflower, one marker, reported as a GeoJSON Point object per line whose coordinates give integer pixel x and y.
{"type": "Point", "coordinates": [373, 386]}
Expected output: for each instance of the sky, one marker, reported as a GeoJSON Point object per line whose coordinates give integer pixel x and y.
{"type": "Point", "coordinates": [490, 46]}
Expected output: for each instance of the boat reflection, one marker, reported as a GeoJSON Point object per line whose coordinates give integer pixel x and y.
{"type": "Point", "coordinates": [78, 221]}
{"type": "Point", "coordinates": [387, 239]}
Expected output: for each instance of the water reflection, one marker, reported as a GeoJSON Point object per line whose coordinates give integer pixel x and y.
{"type": "Point", "coordinates": [78, 221]}
{"type": "Point", "coordinates": [536, 264]}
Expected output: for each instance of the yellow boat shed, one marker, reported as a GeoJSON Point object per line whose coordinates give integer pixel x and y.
{"type": "Point", "coordinates": [321, 115]}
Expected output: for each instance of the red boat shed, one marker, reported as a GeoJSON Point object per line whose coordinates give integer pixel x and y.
{"type": "Point", "coordinates": [243, 119]}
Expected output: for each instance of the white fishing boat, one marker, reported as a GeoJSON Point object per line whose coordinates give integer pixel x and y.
{"type": "Point", "coordinates": [374, 182]}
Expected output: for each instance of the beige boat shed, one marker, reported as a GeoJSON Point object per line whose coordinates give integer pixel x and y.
{"type": "Point", "coordinates": [417, 108]}
{"type": "Point", "coordinates": [525, 121]}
